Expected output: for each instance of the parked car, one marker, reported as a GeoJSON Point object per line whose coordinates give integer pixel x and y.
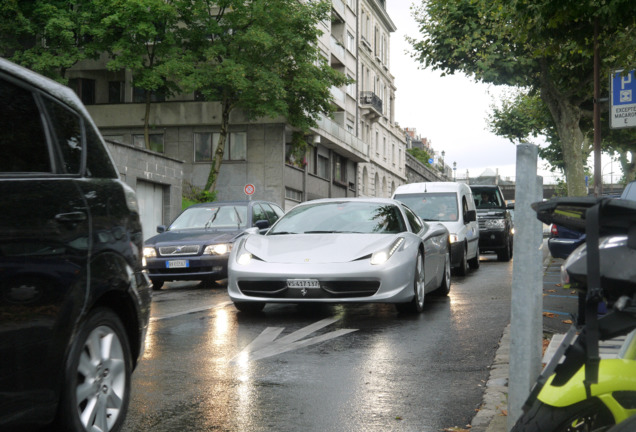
{"type": "Point", "coordinates": [362, 250]}
{"type": "Point", "coordinates": [563, 241]}
{"type": "Point", "coordinates": [74, 301]}
{"type": "Point", "coordinates": [197, 244]}
{"type": "Point", "coordinates": [496, 230]}
{"type": "Point", "coordinates": [452, 205]}
{"type": "Point", "coordinates": [629, 193]}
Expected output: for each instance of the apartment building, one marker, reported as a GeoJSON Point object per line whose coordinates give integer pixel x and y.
{"type": "Point", "coordinates": [358, 152]}
{"type": "Point", "coordinates": [376, 89]}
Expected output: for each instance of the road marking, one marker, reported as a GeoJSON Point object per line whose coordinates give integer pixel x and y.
{"type": "Point", "coordinates": [265, 344]}
{"type": "Point", "coordinates": [190, 311]}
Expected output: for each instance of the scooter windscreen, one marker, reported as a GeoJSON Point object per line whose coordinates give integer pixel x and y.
{"type": "Point", "coordinates": [618, 267]}
{"type": "Point", "coordinates": [617, 215]}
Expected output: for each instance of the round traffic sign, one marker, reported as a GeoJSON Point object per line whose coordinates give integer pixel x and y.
{"type": "Point", "coordinates": [249, 189]}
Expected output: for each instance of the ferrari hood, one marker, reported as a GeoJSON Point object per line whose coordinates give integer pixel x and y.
{"type": "Point", "coordinates": [316, 248]}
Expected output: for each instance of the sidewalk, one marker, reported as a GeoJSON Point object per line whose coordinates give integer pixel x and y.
{"type": "Point", "coordinates": [558, 305]}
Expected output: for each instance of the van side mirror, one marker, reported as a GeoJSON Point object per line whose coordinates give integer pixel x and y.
{"type": "Point", "coordinates": [471, 216]}
{"type": "Point", "coordinates": [262, 224]}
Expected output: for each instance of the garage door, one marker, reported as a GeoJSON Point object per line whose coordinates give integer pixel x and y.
{"type": "Point", "coordinates": [150, 198]}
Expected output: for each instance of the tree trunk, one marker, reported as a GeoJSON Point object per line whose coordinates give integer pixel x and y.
{"type": "Point", "coordinates": [147, 94]}
{"type": "Point", "coordinates": [574, 144]}
{"type": "Point", "coordinates": [217, 160]}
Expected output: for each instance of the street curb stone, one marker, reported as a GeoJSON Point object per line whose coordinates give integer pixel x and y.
{"type": "Point", "coordinates": [491, 416]}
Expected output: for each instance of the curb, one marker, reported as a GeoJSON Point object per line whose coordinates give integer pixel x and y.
{"type": "Point", "coordinates": [492, 414]}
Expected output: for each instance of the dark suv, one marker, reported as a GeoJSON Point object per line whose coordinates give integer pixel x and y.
{"type": "Point", "coordinates": [74, 301]}
{"type": "Point", "coordinates": [495, 221]}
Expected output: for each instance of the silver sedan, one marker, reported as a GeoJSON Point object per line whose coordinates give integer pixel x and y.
{"type": "Point", "coordinates": [342, 250]}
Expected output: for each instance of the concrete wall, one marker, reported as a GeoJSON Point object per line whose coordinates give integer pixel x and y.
{"type": "Point", "coordinates": [417, 172]}
{"type": "Point", "coordinates": [135, 164]}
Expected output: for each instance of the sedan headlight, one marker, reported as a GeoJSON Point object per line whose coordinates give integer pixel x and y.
{"type": "Point", "coordinates": [217, 249]}
{"type": "Point", "coordinates": [150, 252]}
{"type": "Point", "coordinates": [382, 256]}
{"type": "Point", "coordinates": [498, 224]}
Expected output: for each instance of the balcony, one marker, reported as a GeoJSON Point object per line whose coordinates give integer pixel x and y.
{"type": "Point", "coordinates": [371, 105]}
{"type": "Point", "coordinates": [337, 52]}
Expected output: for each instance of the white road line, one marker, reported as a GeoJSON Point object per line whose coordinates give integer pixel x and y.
{"type": "Point", "coordinates": [190, 311]}
{"type": "Point", "coordinates": [266, 345]}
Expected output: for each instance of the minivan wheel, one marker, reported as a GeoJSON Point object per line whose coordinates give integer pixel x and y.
{"type": "Point", "coordinates": [474, 262]}
{"type": "Point", "coordinates": [462, 270]}
{"type": "Point", "coordinates": [96, 388]}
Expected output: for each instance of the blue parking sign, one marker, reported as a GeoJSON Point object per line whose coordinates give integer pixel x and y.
{"type": "Point", "coordinates": [623, 100]}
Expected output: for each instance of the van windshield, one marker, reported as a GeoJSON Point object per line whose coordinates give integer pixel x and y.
{"type": "Point", "coordinates": [440, 206]}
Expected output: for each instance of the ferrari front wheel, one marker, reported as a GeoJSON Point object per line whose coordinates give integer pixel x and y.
{"type": "Point", "coordinates": [417, 304]}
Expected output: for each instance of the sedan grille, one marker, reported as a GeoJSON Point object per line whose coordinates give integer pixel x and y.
{"type": "Point", "coordinates": [327, 290]}
{"type": "Point", "coordinates": [179, 250]}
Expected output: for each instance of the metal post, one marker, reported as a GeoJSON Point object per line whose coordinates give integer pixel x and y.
{"type": "Point", "coordinates": [526, 326]}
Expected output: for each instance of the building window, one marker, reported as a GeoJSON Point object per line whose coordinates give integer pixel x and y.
{"type": "Point", "coordinates": [293, 194]}
{"type": "Point", "coordinates": [205, 145]}
{"type": "Point", "coordinates": [156, 142]}
{"type": "Point", "coordinates": [340, 169]}
{"type": "Point", "coordinates": [116, 91]}
{"type": "Point", "coordinates": [237, 150]}
{"type": "Point", "coordinates": [84, 88]}
{"type": "Point", "coordinates": [349, 126]}
{"type": "Point", "coordinates": [351, 43]}
{"type": "Point", "coordinates": [139, 96]}
{"type": "Point", "coordinates": [351, 88]}
{"type": "Point", "coordinates": [377, 143]}
{"type": "Point", "coordinates": [322, 167]}
{"type": "Point", "coordinates": [384, 147]}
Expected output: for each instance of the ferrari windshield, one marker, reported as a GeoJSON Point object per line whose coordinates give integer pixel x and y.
{"type": "Point", "coordinates": [223, 217]}
{"type": "Point", "coordinates": [341, 217]}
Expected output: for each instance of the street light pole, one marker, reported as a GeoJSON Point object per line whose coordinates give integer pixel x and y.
{"type": "Point", "coordinates": [454, 171]}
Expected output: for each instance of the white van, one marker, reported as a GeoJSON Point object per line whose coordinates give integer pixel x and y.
{"type": "Point", "coordinates": [452, 205]}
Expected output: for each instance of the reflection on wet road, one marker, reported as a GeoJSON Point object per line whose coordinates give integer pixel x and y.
{"type": "Point", "coordinates": [208, 367]}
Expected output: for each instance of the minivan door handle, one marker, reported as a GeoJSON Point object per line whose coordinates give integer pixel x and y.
{"type": "Point", "coordinates": [72, 217]}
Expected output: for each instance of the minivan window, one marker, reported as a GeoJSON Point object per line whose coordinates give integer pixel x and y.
{"type": "Point", "coordinates": [24, 149]}
{"type": "Point", "coordinates": [67, 130]}
{"type": "Point", "coordinates": [432, 206]}
{"type": "Point", "coordinates": [96, 156]}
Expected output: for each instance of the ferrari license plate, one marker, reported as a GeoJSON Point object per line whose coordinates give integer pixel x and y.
{"type": "Point", "coordinates": [177, 264]}
{"type": "Point", "coordinates": [303, 283]}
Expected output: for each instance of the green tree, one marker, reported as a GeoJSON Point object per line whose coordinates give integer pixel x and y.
{"type": "Point", "coordinates": [47, 36]}
{"type": "Point", "coordinates": [543, 46]}
{"type": "Point", "coordinates": [142, 36]}
{"type": "Point", "coordinates": [420, 154]}
{"type": "Point", "coordinates": [524, 116]}
{"type": "Point", "coordinates": [261, 57]}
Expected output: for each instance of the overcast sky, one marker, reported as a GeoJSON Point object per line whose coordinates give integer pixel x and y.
{"type": "Point", "coordinates": [450, 111]}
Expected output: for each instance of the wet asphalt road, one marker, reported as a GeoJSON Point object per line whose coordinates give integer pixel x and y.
{"type": "Point", "coordinates": [208, 367]}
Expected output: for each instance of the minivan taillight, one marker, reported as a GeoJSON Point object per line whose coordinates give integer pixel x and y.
{"type": "Point", "coordinates": [554, 231]}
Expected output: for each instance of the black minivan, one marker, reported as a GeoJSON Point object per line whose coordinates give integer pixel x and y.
{"type": "Point", "coordinates": [74, 300]}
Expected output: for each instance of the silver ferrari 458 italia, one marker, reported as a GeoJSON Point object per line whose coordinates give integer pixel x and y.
{"type": "Point", "coordinates": [342, 250]}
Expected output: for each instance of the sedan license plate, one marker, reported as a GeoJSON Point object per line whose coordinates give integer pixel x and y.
{"type": "Point", "coordinates": [177, 264]}
{"type": "Point", "coordinates": [303, 283]}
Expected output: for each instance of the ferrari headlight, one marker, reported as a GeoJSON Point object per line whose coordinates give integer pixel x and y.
{"type": "Point", "coordinates": [217, 249]}
{"type": "Point", "coordinates": [382, 256]}
{"type": "Point", "coordinates": [453, 238]}
{"type": "Point", "coordinates": [244, 258]}
{"type": "Point", "coordinates": [498, 224]}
